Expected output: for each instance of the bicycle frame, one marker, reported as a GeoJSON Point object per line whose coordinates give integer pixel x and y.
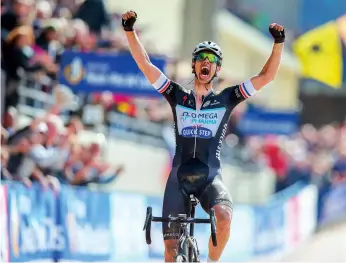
{"type": "Point", "coordinates": [187, 245]}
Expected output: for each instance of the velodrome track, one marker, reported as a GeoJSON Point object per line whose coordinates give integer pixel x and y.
{"type": "Point", "coordinates": [327, 246]}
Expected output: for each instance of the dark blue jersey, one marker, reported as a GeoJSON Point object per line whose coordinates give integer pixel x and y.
{"type": "Point", "coordinates": [200, 133]}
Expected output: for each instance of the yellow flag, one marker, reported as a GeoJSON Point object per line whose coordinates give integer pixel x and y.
{"type": "Point", "coordinates": [320, 53]}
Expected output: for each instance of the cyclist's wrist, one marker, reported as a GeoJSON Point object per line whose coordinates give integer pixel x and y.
{"type": "Point", "coordinates": [130, 32]}
{"type": "Point", "coordinates": [278, 46]}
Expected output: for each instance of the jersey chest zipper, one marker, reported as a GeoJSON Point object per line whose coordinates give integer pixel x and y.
{"type": "Point", "coordinates": [197, 121]}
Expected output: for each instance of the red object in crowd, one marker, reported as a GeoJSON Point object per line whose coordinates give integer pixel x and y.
{"type": "Point", "coordinates": [277, 159]}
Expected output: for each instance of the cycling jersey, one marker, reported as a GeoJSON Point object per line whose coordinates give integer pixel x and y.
{"type": "Point", "coordinates": [199, 133]}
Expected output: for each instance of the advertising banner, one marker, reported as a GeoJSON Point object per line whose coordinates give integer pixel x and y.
{"type": "Point", "coordinates": [97, 72]}
{"type": "Point", "coordinates": [128, 215]}
{"type": "Point", "coordinates": [33, 231]}
{"type": "Point", "coordinates": [269, 229]}
{"type": "Point", "coordinates": [82, 226]}
{"type": "Point", "coordinates": [240, 246]}
{"type": "Point", "coordinates": [85, 218]}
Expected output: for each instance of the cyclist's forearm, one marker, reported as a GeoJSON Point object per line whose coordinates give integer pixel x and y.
{"type": "Point", "coordinates": [271, 67]}
{"type": "Point", "coordinates": [137, 50]}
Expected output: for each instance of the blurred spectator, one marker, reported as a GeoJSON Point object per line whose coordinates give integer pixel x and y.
{"type": "Point", "coordinates": [44, 10]}
{"type": "Point", "coordinates": [17, 53]}
{"type": "Point", "coordinates": [339, 167]}
{"type": "Point", "coordinates": [19, 14]}
{"type": "Point", "coordinates": [89, 169]}
{"type": "Point", "coordinates": [5, 174]}
{"type": "Point", "coordinates": [93, 13]}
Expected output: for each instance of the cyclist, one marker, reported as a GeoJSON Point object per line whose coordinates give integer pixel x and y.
{"type": "Point", "coordinates": [200, 120]}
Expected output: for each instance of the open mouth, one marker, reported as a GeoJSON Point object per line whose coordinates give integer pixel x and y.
{"type": "Point", "coordinates": [204, 74]}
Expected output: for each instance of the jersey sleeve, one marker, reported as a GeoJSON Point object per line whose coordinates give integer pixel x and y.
{"type": "Point", "coordinates": [239, 93]}
{"type": "Point", "coordinates": [169, 89]}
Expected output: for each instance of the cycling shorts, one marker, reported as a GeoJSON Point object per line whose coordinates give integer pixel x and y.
{"type": "Point", "coordinates": [195, 177]}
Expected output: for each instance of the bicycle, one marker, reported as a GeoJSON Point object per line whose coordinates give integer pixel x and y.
{"type": "Point", "coordinates": [187, 250]}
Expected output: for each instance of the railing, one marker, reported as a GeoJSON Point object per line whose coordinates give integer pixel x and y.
{"type": "Point", "coordinates": [36, 95]}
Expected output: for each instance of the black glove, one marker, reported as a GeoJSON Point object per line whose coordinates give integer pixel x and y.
{"type": "Point", "coordinates": [129, 23]}
{"type": "Point", "coordinates": [279, 36]}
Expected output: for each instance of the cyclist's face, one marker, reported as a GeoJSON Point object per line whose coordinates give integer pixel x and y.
{"type": "Point", "coordinates": [206, 66]}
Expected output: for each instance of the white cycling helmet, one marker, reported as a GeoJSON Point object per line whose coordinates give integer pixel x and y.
{"type": "Point", "coordinates": [209, 46]}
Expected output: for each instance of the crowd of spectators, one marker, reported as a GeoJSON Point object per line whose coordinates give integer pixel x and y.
{"type": "Point", "coordinates": [50, 152]}
{"type": "Point", "coordinates": [311, 155]}
{"type": "Point", "coordinates": [34, 34]}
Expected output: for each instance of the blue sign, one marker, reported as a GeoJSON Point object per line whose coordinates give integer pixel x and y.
{"type": "Point", "coordinates": [33, 231]}
{"type": "Point", "coordinates": [259, 121]}
{"type": "Point", "coordinates": [97, 72]}
{"type": "Point", "coordinates": [85, 217]}
{"type": "Point", "coordinates": [269, 229]}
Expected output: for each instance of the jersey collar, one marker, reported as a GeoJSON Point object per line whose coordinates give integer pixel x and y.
{"type": "Point", "coordinates": [211, 91]}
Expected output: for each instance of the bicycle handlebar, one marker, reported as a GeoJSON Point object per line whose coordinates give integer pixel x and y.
{"type": "Point", "coordinates": [181, 220]}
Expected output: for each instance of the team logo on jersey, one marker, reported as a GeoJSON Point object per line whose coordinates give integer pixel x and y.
{"type": "Point", "coordinates": [194, 131]}
{"type": "Point", "coordinates": [199, 118]}
{"type": "Point", "coordinates": [201, 124]}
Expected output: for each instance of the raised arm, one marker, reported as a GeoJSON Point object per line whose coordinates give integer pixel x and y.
{"type": "Point", "coordinates": [271, 67]}
{"type": "Point", "coordinates": [246, 89]}
{"type": "Point", "coordinates": [137, 50]}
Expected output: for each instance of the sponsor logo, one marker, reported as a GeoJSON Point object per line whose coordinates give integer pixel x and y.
{"type": "Point", "coordinates": [199, 118]}
{"type": "Point", "coordinates": [83, 236]}
{"type": "Point", "coordinates": [207, 103]}
{"type": "Point", "coordinates": [215, 102]}
{"type": "Point", "coordinates": [74, 72]}
{"type": "Point", "coordinates": [184, 99]}
{"type": "Point", "coordinates": [200, 132]}
{"type": "Point", "coordinates": [171, 235]}
{"type": "Point", "coordinates": [190, 120]}
{"type": "Point", "coordinates": [218, 149]}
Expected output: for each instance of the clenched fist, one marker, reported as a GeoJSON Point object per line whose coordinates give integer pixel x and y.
{"type": "Point", "coordinates": [128, 20]}
{"type": "Point", "coordinates": [278, 32]}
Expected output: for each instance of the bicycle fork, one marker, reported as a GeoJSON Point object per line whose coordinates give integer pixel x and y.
{"type": "Point", "coordinates": [187, 246]}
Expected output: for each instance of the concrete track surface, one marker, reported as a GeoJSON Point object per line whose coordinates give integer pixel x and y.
{"type": "Point", "coordinates": [326, 246]}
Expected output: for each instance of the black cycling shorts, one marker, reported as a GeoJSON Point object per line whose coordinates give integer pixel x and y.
{"type": "Point", "coordinates": [195, 177]}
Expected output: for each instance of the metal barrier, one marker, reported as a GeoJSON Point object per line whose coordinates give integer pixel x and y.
{"type": "Point", "coordinates": [35, 95]}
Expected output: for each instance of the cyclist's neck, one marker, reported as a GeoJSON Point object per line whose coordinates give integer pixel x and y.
{"type": "Point", "coordinates": [201, 89]}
